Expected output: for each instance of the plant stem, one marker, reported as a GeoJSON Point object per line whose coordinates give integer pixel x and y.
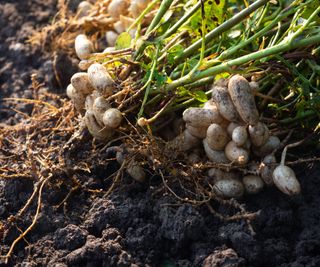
{"type": "Point", "coordinates": [182, 20]}
{"type": "Point", "coordinates": [220, 29]}
{"type": "Point", "coordinates": [165, 5]}
{"type": "Point", "coordinates": [227, 65]}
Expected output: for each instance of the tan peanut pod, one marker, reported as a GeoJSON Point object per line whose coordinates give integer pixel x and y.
{"type": "Point", "coordinates": [215, 156]}
{"type": "Point", "coordinates": [97, 131]}
{"type": "Point", "coordinates": [240, 135]}
{"type": "Point", "coordinates": [112, 118]}
{"type": "Point", "coordinates": [236, 154]}
{"type": "Point", "coordinates": [81, 83]}
{"type": "Point", "coordinates": [217, 174]}
{"type": "Point", "coordinates": [210, 104]}
{"type": "Point", "coordinates": [90, 99]}
{"type": "Point", "coordinates": [83, 46]}
{"type": "Point", "coordinates": [111, 38]}
{"type": "Point", "coordinates": [231, 126]}
{"type": "Point", "coordinates": [259, 134]}
{"type": "Point", "coordinates": [199, 132]}
{"type": "Point", "coordinates": [117, 8]}
{"type": "Point", "coordinates": [229, 188]}
{"type": "Point", "coordinates": [83, 9]}
{"type": "Point", "coordinates": [217, 137]}
{"type": "Point", "coordinates": [253, 184]}
{"type": "Point", "coordinates": [266, 169]}
{"type": "Point", "coordinates": [85, 64]}
{"type": "Point", "coordinates": [78, 99]}
{"type": "Point", "coordinates": [136, 171]}
{"type": "Point", "coordinates": [118, 27]}
{"type": "Point", "coordinates": [271, 144]}
{"type": "Point", "coordinates": [184, 142]}
{"type": "Point", "coordinates": [100, 79]}
{"type": "Point", "coordinates": [243, 99]}
{"type": "Point", "coordinates": [99, 107]}
{"type": "Point", "coordinates": [201, 117]}
{"type": "Point", "coordinates": [285, 179]}
{"type": "Point", "coordinates": [224, 103]}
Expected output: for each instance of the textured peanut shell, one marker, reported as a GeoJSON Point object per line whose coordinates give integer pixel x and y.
{"type": "Point", "coordinates": [199, 132]}
{"type": "Point", "coordinates": [217, 137]}
{"type": "Point", "coordinates": [224, 103]}
{"type": "Point", "coordinates": [201, 117]}
{"type": "Point", "coordinates": [259, 134]}
{"type": "Point", "coordinates": [111, 38]}
{"type": "Point", "coordinates": [100, 79]}
{"type": "Point", "coordinates": [253, 184]}
{"type": "Point", "coordinates": [240, 135]}
{"type": "Point", "coordinates": [243, 99]}
{"type": "Point", "coordinates": [215, 156]}
{"type": "Point", "coordinates": [266, 169]}
{"type": "Point", "coordinates": [229, 188]}
{"type": "Point", "coordinates": [271, 144]}
{"type": "Point", "coordinates": [117, 8]}
{"type": "Point", "coordinates": [97, 131]}
{"type": "Point", "coordinates": [112, 118]}
{"type": "Point", "coordinates": [238, 155]}
{"type": "Point", "coordinates": [83, 46]}
{"type": "Point", "coordinates": [81, 83]}
{"type": "Point", "coordinates": [285, 179]}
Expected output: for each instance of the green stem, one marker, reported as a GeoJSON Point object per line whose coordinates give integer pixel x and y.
{"type": "Point", "coordinates": [222, 28]}
{"type": "Point", "coordinates": [165, 5]}
{"type": "Point", "coordinates": [181, 21]}
{"type": "Point", "coordinates": [227, 65]}
{"type": "Point", "coordinates": [303, 116]}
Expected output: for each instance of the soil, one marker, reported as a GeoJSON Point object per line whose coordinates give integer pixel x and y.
{"type": "Point", "coordinates": [135, 226]}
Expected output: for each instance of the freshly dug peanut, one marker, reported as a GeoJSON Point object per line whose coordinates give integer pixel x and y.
{"type": "Point", "coordinates": [96, 130]}
{"type": "Point", "coordinates": [271, 144]}
{"type": "Point", "coordinates": [184, 142]}
{"type": "Point", "coordinates": [199, 132]}
{"type": "Point", "coordinates": [117, 8]}
{"type": "Point", "coordinates": [224, 103]}
{"type": "Point", "coordinates": [83, 46]}
{"type": "Point", "coordinates": [215, 156]}
{"type": "Point", "coordinates": [266, 169]}
{"type": "Point", "coordinates": [83, 9]}
{"type": "Point", "coordinates": [218, 174]}
{"type": "Point", "coordinates": [243, 99]}
{"type": "Point", "coordinates": [112, 118]}
{"type": "Point", "coordinates": [111, 38]}
{"type": "Point", "coordinates": [136, 171]}
{"type": "Point", "coordinates": [229, 188]}
{"type": "Point", "coordinates": [253, 184]}
{"type": "Point", "coordinates": [285, 179]}
{"type": "Point", "coordinates": [217, 137]}
{"type": "Point", "coordinates": [99, 107]}
{"type": "Point", "coordinates": [100, 79]}
{"type": "Point", "coordinates": [200, 117]}
{"type": "Point", "coordinates": [77, 98]}
{"type": "Point", "coordinates": [118, 27]}
{"type": "Point", "coordinates": [210, 104]}
{"type": "Point", "coordinates": [81, 83]}
{"type": "Point", "coordinates": [240, 135]}
{"type": "Point", "coordinates": [259, 134]}
{"type": "Point", "coordinates": [236, 154]}
{"type": "Point", "coordinates": [231, 126]}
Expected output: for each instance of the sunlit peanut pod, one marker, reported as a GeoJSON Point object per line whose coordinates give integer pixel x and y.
{"type": "Point", "coordinates": [266, 169]}
{"type": "Point", "coordinates": [99, 107]}
{"type": "Point", "coordinates": [224, 103]}
{"type": "Point", "coordinates": [200, 117]}
{"type": "Point", "coordinates": [117, 8]}
{"type": "Point", "coordinates": [96, 130]}
{"type": "Point", "coordinates": [112, 118]}
{"type": "Point", "coordinates": [243, 99]}
{"type": "Point", "coordinates": [101, 79]}
{"type": "Point", "coordinates": [240, 135]}
{"type": "Point", "coordinates": [83, 9]}
{"type": "Point", "coordinates": [78, 99]}
{"type": "Point", "coordinates": [210, 104]}
{"type": "Point", "coordinates": [83, 46]}
{"type": "Point", "coordinates": [81, 83]}
{"type": "Point", "coordinates": [111, 38]}
{"type": "Point", "coordinates": [271, 144]}
{"type": "Point", "coordinates": [118, 27]}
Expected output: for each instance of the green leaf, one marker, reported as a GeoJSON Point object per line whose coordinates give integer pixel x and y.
{"type": "Point", "coordinates": [310, 9]}
{"type": "Point", "coordinates": [200, 96]}
{"type": "Point", "coordinates": [123, 41]}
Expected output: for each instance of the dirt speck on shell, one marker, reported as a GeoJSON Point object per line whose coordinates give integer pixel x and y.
{"type": "Point", "coordinates": [133, 226]}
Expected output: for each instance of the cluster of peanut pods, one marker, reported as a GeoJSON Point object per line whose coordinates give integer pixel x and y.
{"type": "Point", "coordinates": [227, 128]}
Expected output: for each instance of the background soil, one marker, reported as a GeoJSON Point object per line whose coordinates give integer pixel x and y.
{"type": "Point", "coordinates": [134, 226]}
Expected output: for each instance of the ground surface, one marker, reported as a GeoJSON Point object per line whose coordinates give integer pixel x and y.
{"type": "Point", "coordinates": [134, 226]}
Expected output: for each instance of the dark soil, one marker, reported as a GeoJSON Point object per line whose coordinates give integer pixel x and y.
{"type": "Point", "coordinates": [135, 226]}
